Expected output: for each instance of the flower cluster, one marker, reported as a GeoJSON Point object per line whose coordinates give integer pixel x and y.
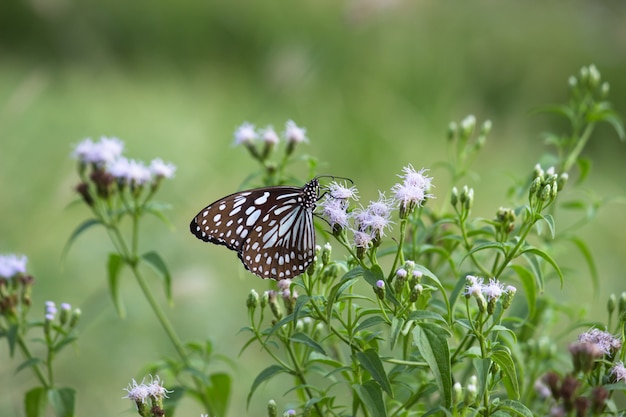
{"type": "Point", "coordinates": [606, 342]}
{"type": "Point", "coordinates": [15, 285]}
{"type": "Point", "coordinates": [487, 295]}
{"type": "Point", "coordinates": [247, 135]}
{"type": "Point", "coordinates": [140, 393]}
{"type": "Point", "coordinates": [369, 224]}
{"type": "Point", "coordinates": [111, 171]}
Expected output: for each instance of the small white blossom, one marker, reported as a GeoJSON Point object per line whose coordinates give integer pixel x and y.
{"type": "Point", "coordinates": [414, 188]}
{"type": "Point", "coordinates": [493, 290]}
{"type": "Point", "coordinates": [245, 133]}
{"type": "Point", "coordinates": [619, 371]}
{"type": "Point", "coordinates": [11, 265]}
{"type": "Point", "coordinates": [158, 168]}
{"type": "Point", "coordinates": [342, 192]}
{"type": "Point", "coordinates": [137, 392]}
{"type": "Point", "coordinates": [334, 211]}
{"type": "Point", "coordinates": [362, 239]}
{"type": "Point", "coordinates": [474, 286]}
{"type": "Point", "coordinates": [130, 171]}
{"type": "Point", "coordinates": [295, 134]}
{"type": "Point", "coordinates": [102, 152]}
{"type": "Point", "coordinates": [269, 136]}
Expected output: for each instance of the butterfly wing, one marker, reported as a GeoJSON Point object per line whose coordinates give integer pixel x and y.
{"type": "Point", "coordinates": [271, 228]}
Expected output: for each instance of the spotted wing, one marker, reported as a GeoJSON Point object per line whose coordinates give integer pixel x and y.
{"type": "Point", "coordinates": [270, 228]}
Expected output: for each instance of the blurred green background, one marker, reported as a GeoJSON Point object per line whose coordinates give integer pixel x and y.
{"type": "Point", "coordinates": [375, 82]}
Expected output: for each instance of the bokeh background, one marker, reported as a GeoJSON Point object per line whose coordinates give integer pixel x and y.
{"type": "Point", "coordinates": [375, 82]}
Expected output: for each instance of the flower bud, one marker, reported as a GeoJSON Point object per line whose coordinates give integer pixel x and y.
{"type": "Point", "coordinates": [486, 128]}
{"type": "Point", "coordinates": [253, 300]}
{"type": "Point", "coordinates": [470, 200]}
{"type": "Point", "coordinates": [272, 410]}
{"type": "Point", "coordinates": [538, 172]}
{"type": "Point", "coordinates": [326, 253]}
{"type": "Point", "coordinates": [75, 317]}
{"type": "Point", "coordinates": [622, 303]}
{"type": "Point", "coordinates": [467, 126]}
{"type": "Point", "coordinates": [507, 297]}
{"type": "Point", "coordinates": [416, 291]}
{"type": "Point", "coordinates": [454, 197]}
{"type": "Point", "coordinates": [611, 304]}
{"type": "Point", "coordinates": [584, 75]}
{"type": "Point", "coordinates": [65, 313]}
{"type": "Point", "coordinates": [482, 303]}
{"type": "Point", "coordinates": [604, 90]}
{"type": "Point", "coordinates": [452, 129]}
{"type": "Point", "coordinates": [457, 393]}
{"type": "Point", "coordinates": [572, 82]}
{"type": "Point", "coordinates": [545, 192]}
{"type": "Point", "coordinates": [379, 289]}
{"type": "Point", "coordinates": [274, 307]}
{"type": "Point", "coordinates": [594, 76]}
{"type": "Point", "coordinates": [561, 181]}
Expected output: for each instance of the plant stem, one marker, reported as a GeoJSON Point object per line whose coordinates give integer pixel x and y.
{"type": "Point", "coordinates": [35, 367]}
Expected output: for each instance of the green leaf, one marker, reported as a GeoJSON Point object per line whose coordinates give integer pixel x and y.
{"type": "Point", "coordinates": [370, 361]}
{"type": "Point", "coordinates": [584, 167]}
{"type": "Point", "coordinates": [77, 232]}
{"type": "Point", "coordinates": [35, 402]}
{"type": "Point", "coordinates": [546, 257]}
{"type": "Point", "coordinates": [114, 267]}
{"type": "Point", "coordinates": [12, 335]}
{"type": "Point", "coordinates": [507, 366]}
{"type": "Point", "coordinates": [265, 374]}
{"type": "Point", "coordinates": [63, 401]}
{"type": "Point", "coordinates": [219, 392]}
{"type": "Point", "coordinates": [614, 120]}
{"type": "Point", "coordinates": [397, 323]}
{"type": "Point", "coordinates": [584, 250]}
{"type": "Point", "coordinates": [369, 322]}
{"type": "Point", "coordinates": [155, 261]}
{"type": "Point", "coordinates": [528, 283]}
{"type": "Point", "coordinates": [421, 315]}
{"type": "Point", "coordinates": [431, 340]}
{"type": "Point", "coordinates": [515, 408]}
{"type": "Point", "coordinates": [347, 281]}
{"type": "Point", "coordinates": [27, 363]}
{"type": "Point", "coordinates": [157, 209]}
{"type": "Point", "coordinates": [550, 222]}
{"type": "Point", "coordinates": [372, 396]}
{"type": "Point", "coordinates": [482, 366]}
{"type": "Point", "coordinates": [306, 340]}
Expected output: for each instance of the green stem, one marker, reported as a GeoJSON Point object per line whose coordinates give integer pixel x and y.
{"type": "Point", "coordinates": [580, 145]}
{"type": "Point", "coordinates": [26, 352]}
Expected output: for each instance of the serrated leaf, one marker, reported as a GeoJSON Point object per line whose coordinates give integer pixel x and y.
{"type": "Point", "coordinates": [35, 402]}
{"type": "Point", "coordinates": [63, 401]}
{"type": "Point", "coordinates": [515, 407]}
{"type": "Point", "coordinates": [507, 366]}
{"type": "Point", "coordinates": [306, 340]}
{"type": "Point", "coordinates": [544, 255]}
{"type": "Point", "coordinates": [431, 340]}
{"type": "Point", "coordinates": [219, 392]}
{"type": "Point", "coordinates": [114, 267]}
{"type": "Point", "coordinates": [265, 374]}
{"type": "Point", "coordinates": [155, 261]}
{"type": "Point", "coordinates": [370, 361]}
{"type": "Point", "coordinates": [372, 396]}
{"type": "Point", "coordinates": [77, 232]}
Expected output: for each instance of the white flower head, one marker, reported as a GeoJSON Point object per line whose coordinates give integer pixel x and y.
{"type": "Point", "coordinates": [334, 211]}
{"type": "Point", "coordinates": [294, 133]}
{"type": "Point", "coordinates": [605, 340]}
{"type": "Point", "coordinates": [619, 371]}
{"type": "Point", "coordinates": [342, 192]}
{"type": "Point", "coordinates": [11, 265]}
{"type": "Point", "coordinates": [362, 239]}
{"type": "Point", "coordinates": [270, 136]}
{"type": "Point", "coordinates": [103, 152]}
{"type": "Point", "coordinates": [137, 392]}
{"type": "Point", "coordinates": [246, 133]}
{"type": "Point", "coordinates": [130, 171]}
{"type": "Point", "coordinates": [414, 188]}
{"type": "Point", "coordinates": [493, 290]}
{"type": "Point", "coordinates": [158, 168]}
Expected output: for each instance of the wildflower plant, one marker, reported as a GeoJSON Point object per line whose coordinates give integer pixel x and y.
{"type": "Point", "coordinates": [56, 330]}
{"type": "Point", "coordinates": [430, 310]}
{"type": "Point", "coordinates": [119, 193]}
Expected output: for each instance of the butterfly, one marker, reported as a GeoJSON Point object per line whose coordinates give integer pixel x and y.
{"type": "Point", "coordinates": [270, 228]}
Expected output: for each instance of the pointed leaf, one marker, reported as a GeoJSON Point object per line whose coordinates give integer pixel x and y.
{"type": "Point", "coordinates": [550, 222]}
{"type": "Point", "coordinates": [369, 322]}
{"type": "Point", "coordinates": [370, 361]}
{"type": "Point", "coordinates": [63, 401]}
{"type": "Point", "coordinates": [219, 392]}
{"type": "Point", "coordinates": [546, 257]}
{"type": "Point", "coordinates": [265, 374]}
{"type": "Point", "coordinates": [155, 261]}
{"type": "Point", "coordinates": [515, 408]}
{"type": "Point", "coordinates": [507, 366]}
{"type": "Point", "coordinates": [397, 323]}
{"type": "Point", "coordinates": [114, 267]}
{"type": "Point", "coordinates": [348, 280]}
{"type": "Point", "coordinates": [27, 363]}
{"type": "Point", "coordinates": [306, 340]}
{"type": "Point", "coordinates": [586, 252]}
{"type": "Point", "coordinates": [426, 315]}
{"type": "Point", "coordinates": [12, 335]}
{"type": "Point", "coordinates": [372, 396]}
{"type": "Point", "coordinates": [528, 283]}
{"type": "Point", "coordinates": [77, 232]}
{"type": "Point", "coordinates": [35, 402]}
{"type": "Point", "coordinates": [431, 340]}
